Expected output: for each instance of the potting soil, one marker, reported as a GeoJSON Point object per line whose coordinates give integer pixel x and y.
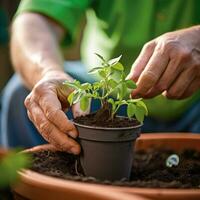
{"type": "Point", "coordinates": [149, 169]}
{"type": "Point", "coordinates": [103, 121]}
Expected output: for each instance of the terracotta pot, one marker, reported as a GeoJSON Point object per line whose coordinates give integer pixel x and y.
{"type": "Point", "coordinates": [37, 186]}
{"type": "Point", "coordinates": [3, 152]}
{"type": "Point", "coordinates": [175, 141]}
{"type": "Point", "coordinates": [110, 147]}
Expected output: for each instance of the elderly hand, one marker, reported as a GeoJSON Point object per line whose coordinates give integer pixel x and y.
{"type": "Point", "coordinates": [46, 105]}
{"type": "Point", "coordinates": [169, 64]}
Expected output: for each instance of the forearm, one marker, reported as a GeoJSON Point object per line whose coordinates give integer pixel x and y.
{"type": "Point", "coordinates": [35, 48]}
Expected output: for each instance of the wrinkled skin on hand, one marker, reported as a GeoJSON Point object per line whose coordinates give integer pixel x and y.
{"type": "Point", "coordinates": [169, 64]}
{"type": "Point", "coordinates": [45, 107]}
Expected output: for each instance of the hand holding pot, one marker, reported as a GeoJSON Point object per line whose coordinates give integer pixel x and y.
{"type": "Point", "coordinates": [169, 64]}
{"type": "Point", "coordinates": [46, 105]}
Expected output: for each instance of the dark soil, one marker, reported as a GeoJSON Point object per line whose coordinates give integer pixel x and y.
{"type": "Point", "coordinates": [149, 169]}
{"type": "Point", "coordinates": [96, 121]}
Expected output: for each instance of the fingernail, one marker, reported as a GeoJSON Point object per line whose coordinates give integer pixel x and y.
{"type": "Point", "coordinates": [164, 93]}
{"type": "Point", "coordinates": [133, 76]}
{"type": "Point", "coordinates": [72, 134]}
{"type": "Point", "coordinates": [129, 76]}
{"type": "Point", "coordinates": [135, 95]}
{"type": "Point", "coordinates": [75, 150]}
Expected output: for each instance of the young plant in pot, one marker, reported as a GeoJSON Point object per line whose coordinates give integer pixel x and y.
{"type": "Point", "coordinates": [11, 161]}
{"type": "Point", "coordinates": [106, 138]}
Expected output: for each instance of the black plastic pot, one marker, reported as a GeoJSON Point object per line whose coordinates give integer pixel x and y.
{"type": "Point", "coordinates": [107, 153]}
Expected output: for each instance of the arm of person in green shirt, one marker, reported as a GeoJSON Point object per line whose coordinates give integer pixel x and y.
{"type": "Point", "coordinates": [37, 58]}
{"type": "Point", "coordinates": [169, 64]}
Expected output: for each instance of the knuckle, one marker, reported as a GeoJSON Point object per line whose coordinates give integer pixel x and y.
{"type": "Point", "coordinates": [159, 50]}
{"type": "Point", "coordinates": [151, 76]}
{"type": "Point", "coordinates": [52, 114]}
{"type": "Point", "coordinates": [37, 89]}
{"type": "Point", "coordinates": [148, 46]}
{"type": "Point", "coordinates": [184, 54]}
{"type": "Point", "coordinates": [27, 101]}
{"type": "Point", "coordinates": [169, 45]}
{"type": "Point", "coordinates": [40, 89]}
{"type": "Point", "coordinates": [65, 146]}
{"type": "Point", "coordinates": [29, 116]}
{"type": "Point", "coordinates": [45, 129]}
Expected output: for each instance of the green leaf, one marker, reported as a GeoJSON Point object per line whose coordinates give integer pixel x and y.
{"type": "Point", "coordinates": [70, 98]}
{"type": "Point", "coordinates": [96, 85]}
{"type": "Point", "coordinates": [86, 86]}
{"type": "Point", "coordinates": [84, 103]}
{"type": "Point", "coordinates": [131, 110]}
{"type": "Point", "coordinates": [122, 90]}
{"type": "Point", "coordinates": [111, 101]}
{"type": "Point", "coordinates": [75, 84]}
{"type": "Point", "coordinates": [139, 113]}
{"type": "Point", "coordinates": [102, 73]}
{"type": "Point", "coordinates": [118, 66]}
{"type": "Point", "coordinates": [130, 84]}
{"type": "Point", "coordinates": [142, 104]}
{"type": "Point", "coordinates": [114, 60]}
{"type": "Point", "coordinates": [100, 56]}
{"type": "Point", "coordinates": [9, 166]}
{"type": "Point", "coordinates": [123, 77]}
{"type": "Point", "coordinates": [112, 83]}
{"type": "Point", "coordinates": [77, 96]}
{"type": "Point", "coordinates": [71, 85]}
{"type": "Point", "coordinates": [134, 100]}
{"type": "Point", "coordinates": [94, 70]}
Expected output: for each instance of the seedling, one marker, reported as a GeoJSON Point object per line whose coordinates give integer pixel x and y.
{"type": "Point", "coordinates": [112, 90]}
{"type": "Point", "coordinates": [10, 164]}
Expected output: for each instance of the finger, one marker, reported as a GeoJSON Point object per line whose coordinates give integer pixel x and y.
{"type": "Point", "coordinates": [174, 68]}
{"type": "Point", "coordinates": [152, 72]}
{"type": "Point", "coordinates": [51, 107]}
{"type": "Point", "coordinates": [181, 84]}
{"type": "Point", "coordinates": [77, 112]}
{"type": "Point", "coordinates": [141, 61]}
{"type": "Point", "coordinates": [192, 88]}
{"type": "Point", "coordinates": [29, 116]}
{"type": "Point", "coordinates": [50, 132]}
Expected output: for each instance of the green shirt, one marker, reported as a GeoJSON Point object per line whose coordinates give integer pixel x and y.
{"type": "Point", "coordinates": [117, 27]}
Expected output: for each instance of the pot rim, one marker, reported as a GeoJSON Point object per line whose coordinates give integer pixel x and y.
{"type": "Point", "coordinates": [109, 128]}
{"type": "Point", "coordinates": [31, 178]}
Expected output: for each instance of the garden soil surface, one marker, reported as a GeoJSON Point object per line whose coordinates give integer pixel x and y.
{"type": "Point", "coordinates": [149, 169]}
{"type": "Point", "coordinates": [104, 121]}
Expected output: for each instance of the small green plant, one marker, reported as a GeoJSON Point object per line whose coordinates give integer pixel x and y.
{"type": "Point", "coordinates": [113, 91]}
{"type": "Point", "coordinates": [10, 164]}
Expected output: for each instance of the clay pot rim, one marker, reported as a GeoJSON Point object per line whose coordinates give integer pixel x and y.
{"type": "Point", "coordinates": [3, 152]}
{"type": "Point", "coordinates": [28, 175]}
{"type": "Point", "coordinates": [152, 136]}
{"type": "Point", "coordinates": [33, 178]}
